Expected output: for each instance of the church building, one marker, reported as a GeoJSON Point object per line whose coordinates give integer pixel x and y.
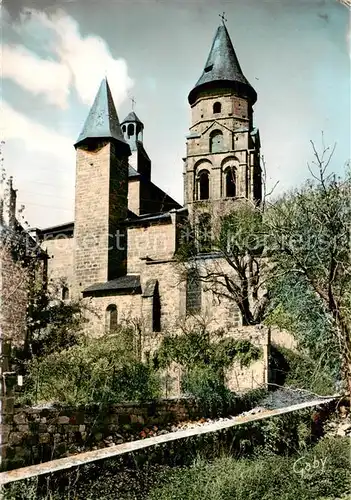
{"type": "Point", "coordinates": [119, 252]}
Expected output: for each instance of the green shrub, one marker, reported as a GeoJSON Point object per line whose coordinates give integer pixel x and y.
{"type": "Point", "coordinates": [295, 369]}
{"type": "Point", "coordinates": [207, 386]}
{"type": "Point", "coordinates": [202, 349]}
{"type": "Point", "coordinates": [101, 370]}
{"type": "Point", "coordinates": [205, 358]}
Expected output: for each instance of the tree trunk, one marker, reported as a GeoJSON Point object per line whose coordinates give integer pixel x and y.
{"type": "Point", "coordinates": [346, 353]}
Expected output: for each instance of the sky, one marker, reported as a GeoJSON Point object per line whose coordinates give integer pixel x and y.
{"type": "Point", "coordinates": [295, 53]}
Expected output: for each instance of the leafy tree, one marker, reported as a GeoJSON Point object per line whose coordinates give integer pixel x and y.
{"type": "Point", "coordinates": [310, 231]}
{"type": "Point", "coordinates": [295, 307]}
{"type": "Point", "coordinates": [236, 240]}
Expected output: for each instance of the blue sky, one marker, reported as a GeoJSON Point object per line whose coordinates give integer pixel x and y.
{"type": "Point", "coordinates": [294, 52]}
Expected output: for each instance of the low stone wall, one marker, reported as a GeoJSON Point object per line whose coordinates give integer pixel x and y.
{"type": "Point", "coordinates": [35, 434]}
{"type": "Point", "coordinates": [31, 435]}
{"type": "Point", "coordinates": [282, 431]}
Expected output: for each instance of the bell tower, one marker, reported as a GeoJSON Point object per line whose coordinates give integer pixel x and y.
{"type": "Point", "coordinates": [222, 163]}
{"type": "Point", "coordinates": [133, 130]}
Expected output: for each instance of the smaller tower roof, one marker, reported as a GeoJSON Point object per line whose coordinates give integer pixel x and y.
{"type": "Point", "coordinates": [222, 68]}
{"type": "Point", "coordinates": [132, 117]}
{"type": "Point", "coordinates": [102, 120]}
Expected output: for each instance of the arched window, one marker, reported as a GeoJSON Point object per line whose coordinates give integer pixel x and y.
{"type": "Point", "coordinates": [193, 292]}
{"type": "Point", "coordinates": [130, 130]}
{"type": "Point", "coordinates": [139, 132]}
{"type": "Point", "coordinates": [65, 293]}
{"type": "Point", "coordinates": [203, 185]}
{"type": "Point", "coordinates": [156, 311]}
{"type": "Point", "coordinates": [204, 233]}
{"type": "Point", "coordinates": [216, 141]}
{"type": "Point", "coordinates": [111, 318]}
{"type": "Point", "coordinates": [124, 128]}
{"type": "Point", "coordinates": [217, 107]}
{"type": "Point", "coordinates": [230, 182]}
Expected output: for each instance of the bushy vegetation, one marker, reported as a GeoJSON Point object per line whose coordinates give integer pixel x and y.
{"type": "Point", "coordinates": [204, 358]}
{"type": "Point", "coordinates": [70, 368]}
{"type": "Point", "coordinates": [97, 370]}
{"type": "Point", "coordinates": [298, 370]}
{"type": "Point", "coordinates": [268, 477]}
{"type": "Point", "coordinates": [310, 252]}
{"type": "Point", "coordinates": [200, 348]}
{"type": "Point", "coordinates": [297, 309]}
{"type": "Point", "coordinates": [317, 473]}
{"type": "Point", "coordinates": [209, 389]}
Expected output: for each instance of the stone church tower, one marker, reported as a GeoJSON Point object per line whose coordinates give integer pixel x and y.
{"type": "Point", "coordinates": [120, 252]}
{"type": "Point", "coordinates": [101, 195]}
{"type": "Point", "coordinates": [222, 161]}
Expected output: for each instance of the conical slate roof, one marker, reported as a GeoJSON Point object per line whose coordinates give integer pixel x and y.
{"type": "Point", "coordinates": [222, 68]}
{"type": "Point", "coordinates": [132, 117]}
{"type": "Point", "coordinates": [102, 121]}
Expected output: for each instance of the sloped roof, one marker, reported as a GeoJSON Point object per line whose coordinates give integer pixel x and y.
{"type": "Point", "coordinates": [132, 117]}
{"type": "Point", "coordinates": [132, 172]}
{"type": "Point", "coordinates": [102, 120]}
{"type": "Point", "coordinates": [128, 283]}
{"type": "Point", "coordinates": [222, 67]}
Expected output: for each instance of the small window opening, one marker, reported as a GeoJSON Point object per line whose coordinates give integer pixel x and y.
{"type": "Point", "coordinates": [124, 128]}
{"type": "Point", "coordinates": [65, 293]}
{"type": "Point", "coordinates": [130, 130]}
{"type": "Point", "coordinates": [156, 311]}
{"type": "Point", "coordinates": [217, 107]}
{"type": "Point", "coordinates": [203, 185]}
{"type": "Point", "coordinates": [111, 318]}
{"type": "Point", "coordinates": [230, 183]}
{"type": "Point", "coordinates": [193, 292]}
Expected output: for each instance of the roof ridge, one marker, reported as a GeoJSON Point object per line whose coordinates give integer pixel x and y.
{"type": "Point", "coordinates": [222, 66]}
{"type": "Point", "coordinates": [102, 120]}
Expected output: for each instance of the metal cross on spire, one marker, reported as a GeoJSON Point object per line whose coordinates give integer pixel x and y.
{"type": "Point", "coordinates": [133, 102]}
{"type": "Point", "coordinates": [222, 16]}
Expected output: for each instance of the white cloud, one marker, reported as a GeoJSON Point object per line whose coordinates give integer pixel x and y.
{"type": "Point", "coordinates": [81, 61]}
{"type": "Point", "coordinates": [41, 162]}
{"type": "Point", "coordinates": [89, 60]}
{"type": "Point", "coordinates": [38, 76]}
{"type": "Point", "coordinates": [36, 136]}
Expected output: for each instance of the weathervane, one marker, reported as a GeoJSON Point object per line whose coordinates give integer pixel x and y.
{"type": "Point", "coordinates": [222, 16]}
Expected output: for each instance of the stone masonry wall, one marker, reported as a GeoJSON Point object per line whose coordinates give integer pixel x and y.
{"type": "Point", "coordinates": [60, 264]}
{"type": "Point", "coordinates": [157, 242]}
{"type": "Point", "coordinates": [134, 195]}
{"type": "Point", "coordinates": [101, 200]}
{"type": "Point", "coordinates": [128, 310]}
{"type": "Point", "coordinates": [32, 435]}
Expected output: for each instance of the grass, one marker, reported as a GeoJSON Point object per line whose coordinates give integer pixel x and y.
{"type": "Point", "coordinates": [264, 477]}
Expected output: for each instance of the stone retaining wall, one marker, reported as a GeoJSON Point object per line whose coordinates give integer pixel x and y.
{"type": "Point", "coordinates": [240, 436]}
{"type": "Point", "coordinates": [32, 435]}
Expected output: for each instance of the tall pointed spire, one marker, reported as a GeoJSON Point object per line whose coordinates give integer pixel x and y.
{"type": "Point", "coordinates": [222, 68]}
{"type": "Point", "coordinates": [102, 121]}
